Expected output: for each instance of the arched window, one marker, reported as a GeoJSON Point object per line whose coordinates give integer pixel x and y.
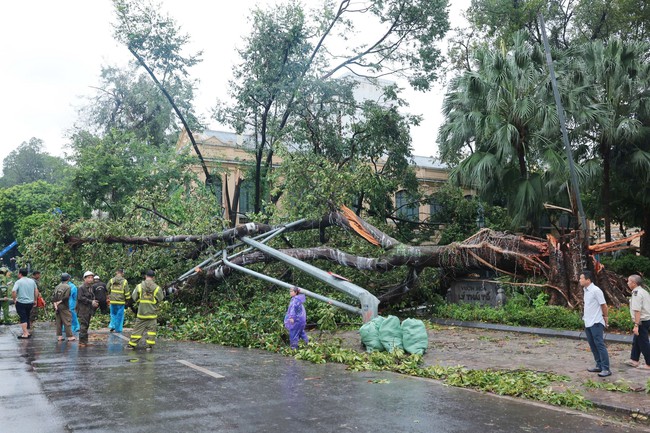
{"type": "Point", "coordinates": [407, 206]}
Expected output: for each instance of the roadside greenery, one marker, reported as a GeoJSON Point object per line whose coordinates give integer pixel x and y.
{"type": "Point", "coordinates": [257, 322]}
{"type": "Point", "coordinates": [618, 386]}
{"type": "Point", "coordinates": [520, 310]}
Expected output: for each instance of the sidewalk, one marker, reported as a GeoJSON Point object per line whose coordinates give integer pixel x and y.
{"type": "Point", "coordinates": [485, 346]}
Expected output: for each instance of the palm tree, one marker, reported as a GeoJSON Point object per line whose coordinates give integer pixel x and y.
{"type": "Point", "coordinates": [615, 76]}
{"type": "Point", "coordinates": [501, 128]}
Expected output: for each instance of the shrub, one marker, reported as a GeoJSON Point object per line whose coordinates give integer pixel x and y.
{"type": "Point", "coordinates": [627, 264]}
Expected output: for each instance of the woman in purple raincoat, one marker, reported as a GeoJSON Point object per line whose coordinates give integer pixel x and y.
{"type": "Point", "coordinates": [296, 318]}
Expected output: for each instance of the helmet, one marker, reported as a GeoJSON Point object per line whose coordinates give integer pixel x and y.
{"type": "Point", "coordinates": [66, 277]}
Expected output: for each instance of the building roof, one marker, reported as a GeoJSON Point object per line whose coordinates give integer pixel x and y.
{"type": "Point", "coordinates": [429, 162]}
{"type": "Point", "coordinates": [232, 139]}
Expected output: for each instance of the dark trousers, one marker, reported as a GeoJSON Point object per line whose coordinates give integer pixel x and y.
{"type": "Point", "coordinates": [596, 339]}
{"type": "Point", "coordinates": [63, 318]}
{"type": "Point", "coordinates": [640, 343]}
{"type": "Point", "coordinates": [84, 314]}
{"type": "Point", "coordinates": [24, 310]}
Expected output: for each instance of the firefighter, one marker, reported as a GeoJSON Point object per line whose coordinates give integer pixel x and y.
{"type": "Point", "coordinates": [147, 295]}
{"type": "Point", "coordinates": [119, 295]}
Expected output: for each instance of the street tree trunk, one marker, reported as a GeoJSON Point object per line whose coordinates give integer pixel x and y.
{"type": "Point", "coordinates": [558, 261]}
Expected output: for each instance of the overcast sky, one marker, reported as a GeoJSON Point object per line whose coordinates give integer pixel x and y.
{"type": "Point", "coordinates": [52, 52]}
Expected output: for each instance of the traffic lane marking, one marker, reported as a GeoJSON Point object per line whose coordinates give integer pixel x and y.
{"type": "Point", "coordinates": [201, 369]}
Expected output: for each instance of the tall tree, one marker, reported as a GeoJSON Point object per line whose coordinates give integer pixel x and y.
{"type": "Point", "coordinates": [603, 19]}
{"type": "Point", "coordinates": [157, 44]}
{"type": "Point", "coordinates": [112, 169]}
{"type": "Point", "coordinates": [616, 79]}
{"type": "Point", "coordinates": [501, 131]}
{"type": "Point", "coordinates": [288, 52]}
{"type": "Point", "coordinates": [29, 163]}
{"type": "Point", "coordinates": [127, 100]}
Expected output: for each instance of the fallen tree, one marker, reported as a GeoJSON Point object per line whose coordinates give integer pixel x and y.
{"type": "Point", "coordinates": [556, 260]}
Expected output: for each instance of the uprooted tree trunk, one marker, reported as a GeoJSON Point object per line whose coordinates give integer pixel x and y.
{"type": "Point", "coordinates": [558, 261]}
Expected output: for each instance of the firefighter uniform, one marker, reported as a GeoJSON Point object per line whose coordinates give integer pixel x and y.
{"type": "Point", "coordinates": [147, 295]}
{"type": "Point", "coordinates": [118, 295]}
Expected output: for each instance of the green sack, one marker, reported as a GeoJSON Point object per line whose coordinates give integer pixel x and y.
{"type": "Point", "coordinates": [414, 336]}
{"type": "Point", "coordinates": [370, 335]}
{"type": "Point", "coordinates": [390, 334]}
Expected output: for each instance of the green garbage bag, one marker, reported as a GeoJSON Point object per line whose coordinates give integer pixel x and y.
{"type": "Point", "coordinates": [414, 336]}
{"type": "Point", "coordinates": [370, 335]}
{"type": "Point", "coordinates": [390, 334]}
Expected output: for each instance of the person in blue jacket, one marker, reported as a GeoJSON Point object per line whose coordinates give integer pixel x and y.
{"type": "Point", "coordinates": [296, 318]}
{"type": "Point", "coordinates": [72, 303]}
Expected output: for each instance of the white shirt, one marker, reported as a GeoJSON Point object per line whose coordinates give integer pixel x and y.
{"type": "Point", "coordinates": [593, 313]}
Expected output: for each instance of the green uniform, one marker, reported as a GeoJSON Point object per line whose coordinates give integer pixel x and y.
{"type": "Point", "coordinates": [118, 290]}
{"type": "Point", "coordinates": [62, 316]}
{"type": "Point", "coordinates": [4, 295]}
{"type": "Point", "coordinates": [147, 295]}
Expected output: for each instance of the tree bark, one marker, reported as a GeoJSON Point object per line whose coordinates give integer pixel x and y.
{"type": "Point", "coordinates": [558, 261]}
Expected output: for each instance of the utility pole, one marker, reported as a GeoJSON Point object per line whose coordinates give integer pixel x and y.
{"type": "Point", "coordinates": [575, 189]}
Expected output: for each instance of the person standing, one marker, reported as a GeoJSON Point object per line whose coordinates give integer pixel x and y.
{"type": "Point", "coordinates": [33, 316]}
{"type": "Point", "coordinates": [72, 304]}
{"type": "Point", "coordinates": [4, 295]}
{"type": "Point", "coordinates": [119, 295]}
{"type": "Point", "coordinates": [99, 290]}
{"type": "Point", "coordinates": [640, 312]}
{"type": "Point", "coordinates": [60, 301]}
{"type": "Point", "coordinates": [24, 294]}
{"type": "Point", "coordinates": [295, 319]}
{"type": "Point", "coordinates": [595, 318]}
{"type": "Point", "coordinates": [147, 295]}
{"type": "Point", "coordinates": [86, 305]}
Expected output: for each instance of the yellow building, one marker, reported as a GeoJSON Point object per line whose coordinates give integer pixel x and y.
{"type": "Point", "coordinates": [230, 154]}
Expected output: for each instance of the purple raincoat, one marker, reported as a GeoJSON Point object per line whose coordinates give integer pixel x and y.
{"type": "Point", "coordinates": [296, 311]}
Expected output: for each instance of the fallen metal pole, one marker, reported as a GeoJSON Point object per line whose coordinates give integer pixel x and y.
{"type": "Point", "coordinates": [288, 286]}
{"type": "Point", "coordinates": [369, 303]}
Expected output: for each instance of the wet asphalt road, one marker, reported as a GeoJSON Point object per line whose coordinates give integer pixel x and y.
{"type": "Point", "coordinates": [58, 387]}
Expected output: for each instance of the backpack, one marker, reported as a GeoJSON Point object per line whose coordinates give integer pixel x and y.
{"type": "Point", "coordinates": [60, 292]}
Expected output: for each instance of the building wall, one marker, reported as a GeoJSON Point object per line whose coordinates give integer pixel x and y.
{"type": "Point", "coordinates": [231, 154]}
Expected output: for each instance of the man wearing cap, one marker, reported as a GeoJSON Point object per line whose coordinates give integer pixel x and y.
{"type": "Point", "coordinates": [147, 295]}
{"type": "Point", "coordinates": [86, 305]}
{"type": "Point", "coordinates": [60, 301]}
{"type": "Point", "coordinates": [99, 290]}
{"type": "Point", "coordinates": [4, 295]}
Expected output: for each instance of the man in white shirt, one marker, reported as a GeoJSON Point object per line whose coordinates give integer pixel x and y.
{"type": "Point", "coordinates": [24, 294]}
{"type": "Point", "coordinates": [640, 312]}
{"type": "Point", "coordinates": [595, 318]}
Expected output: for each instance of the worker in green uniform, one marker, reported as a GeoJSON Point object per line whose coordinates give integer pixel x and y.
{"type": "Point", "coordinates": [4, 295]}
{"type": "Point", "coordinates": [147, 296]}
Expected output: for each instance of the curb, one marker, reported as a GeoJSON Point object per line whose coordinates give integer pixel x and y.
{"type": "Point", "coordinates": [576, 335]}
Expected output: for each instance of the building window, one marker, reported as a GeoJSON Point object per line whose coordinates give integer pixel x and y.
{"type": "Point", "coordinates": [246, 197]}
{"type": "Point", "coordinates": [407, 206]}
{"type": "Point", "coordinates": [435, 208]}
{"type": "Point", "coordinates": [218, 190]}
